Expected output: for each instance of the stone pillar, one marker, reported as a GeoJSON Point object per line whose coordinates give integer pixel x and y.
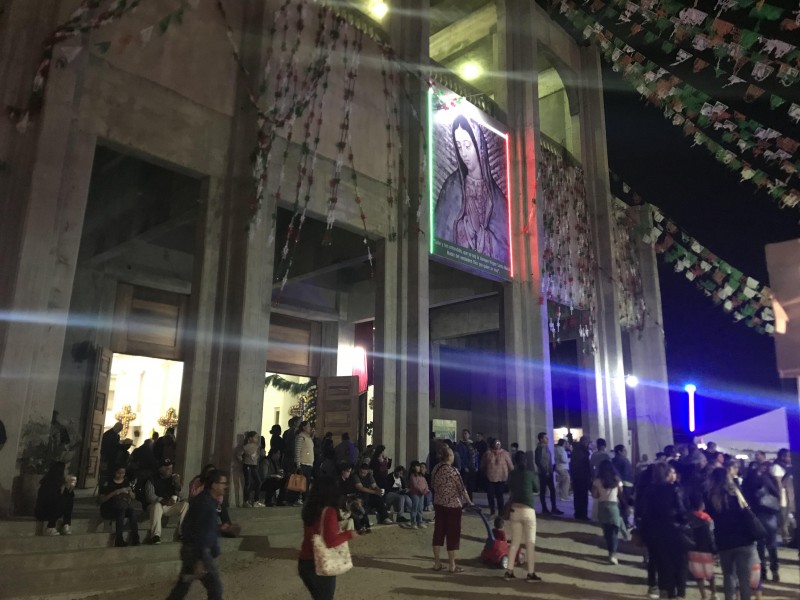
{"type": "Point", "coordinates": [649, 362]}
{"type": "Point", "coordinates": [195, 406]}
{"type": "Point", "coordinates": [609, 367]}
{"type": "Point", "coordinates": [524, 322]}
{"type": "Point", "coordinates": [386, 345]}
{"type": "Point", "coordinates": [409, 34]}
{"type": "Point", "coordinates": [243, 292]}
{"type": "Point", "coordinates": [43, 190]}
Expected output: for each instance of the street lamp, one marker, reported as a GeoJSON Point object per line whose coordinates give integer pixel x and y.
{"type": "Point", "coordinates": [690, 389]}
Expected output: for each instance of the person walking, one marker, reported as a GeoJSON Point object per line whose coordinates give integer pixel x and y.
{"type": "Point", "coordinates": [321, 517]}
{"type": "Point", "coordinates": [605, 490]}
{"type": "Point", "coordinates": [735, 543]}
{"type": "Point", "coordinates": [562, 469]}
{"type": "Point", "coordinates": [448, 495]}
{"type": "Point", "coordinates": [581, 472]}
{"type": "Point", "coordinates": [200, 541]}
{"type": "Point", "coordinates": [496, 466]}
{"type": "Point", "coordinates": [523, 487]}
{"type": "Point", "coordinates": [763, 494]}
{"type": "Point", "coordinates": [666, 515]}
{"type": "Point", "coordinates": [544, 466]}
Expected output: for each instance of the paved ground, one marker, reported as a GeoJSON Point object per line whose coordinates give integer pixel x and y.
{"type": "Point", "coordinates": [396, 563]}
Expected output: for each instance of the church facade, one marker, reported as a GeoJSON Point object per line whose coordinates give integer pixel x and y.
{"type": "Point", "coordinates": [198, 195]}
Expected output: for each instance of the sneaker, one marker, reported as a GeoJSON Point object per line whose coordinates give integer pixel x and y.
{"type": "Point", "coordinates": [66, 530]}
{"type": "Point", "coordinates": [247, 504]}
{"type": "Point", "coordinates": [388, 521]}
{"type": "Point", "coordinates": [421, 526]}
{"type": "Point", "coordinates": [613, 560]}
{"type": "Point", "coordinates": [298, 504]}
{"type": "Point", "coordinates": [402, 519]}
{"type": "Point", "coordinates": [532, 578]}
{"type": "Point", "coordinates": [775, 577]}
{"type": "Point", "coordinates": [258, 505]}
{"type": "Point", "coordinates": [155, 540]}
{"type": "Point", "coordinates": [51, 532]}
{"type": "Point", "coordinates": [367, 530]}
{"type": "Point", "coordinates": [508, 575]}
{"type": "Point", "coordinates": [653, 593]}
{"type": "Point", "coordinates": [556, 511]}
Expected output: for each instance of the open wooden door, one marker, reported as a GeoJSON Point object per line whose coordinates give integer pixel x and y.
{"type": "Point", "coordinates": [90, 465]}
{"type": "Point", "coordinates": [338, 407]}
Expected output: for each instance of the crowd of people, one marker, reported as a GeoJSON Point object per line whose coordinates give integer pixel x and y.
{"type": "Point", "coordinates": [688, 510]}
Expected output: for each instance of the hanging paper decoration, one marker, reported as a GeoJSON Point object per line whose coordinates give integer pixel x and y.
{"type": "Point", "coordinates": [82, 20]}
{"type": "Point", "coordinates": [744, 297]}
{"type": "Point", "coordinates": [627, 276]}
{"type": "Point", "coordinates": [568, 263]}
{"type": "Point", "coordinates": [728, 133]}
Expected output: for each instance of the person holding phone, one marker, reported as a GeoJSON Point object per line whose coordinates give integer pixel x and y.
{"type": "Point", "coordinates": [116, 498]}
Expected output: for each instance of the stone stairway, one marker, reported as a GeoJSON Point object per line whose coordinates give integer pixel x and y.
{"type": "Point", "coordinates": [33, 566]}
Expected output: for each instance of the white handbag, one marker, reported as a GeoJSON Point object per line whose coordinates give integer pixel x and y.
{"type": "Point", "coordinates": [330, 561]}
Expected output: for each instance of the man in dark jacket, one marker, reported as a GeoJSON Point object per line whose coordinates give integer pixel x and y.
{"type": "Point", "coordinates": [581, 471]}
{"type": "Point", "coordinates": [200, 542]}
{"type": "Point", "coordinates": [288, 458]}
{"type": "Point", "coordinates": [544, 467]}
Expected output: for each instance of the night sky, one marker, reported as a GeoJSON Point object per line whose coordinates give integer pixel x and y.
{"type": "Point", "coordinates": [733, 220]}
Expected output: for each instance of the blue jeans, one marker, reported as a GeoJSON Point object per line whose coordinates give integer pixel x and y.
{"type": "Point", "coordinates": [416, 509]}
{"type": "Point", "coordinates": [737, 563]}
{"type": "Point", "coordinates": [211, 580]}
{"type": "Point", "coordinates": [768, 548]}
{"type": "Point", "coordinates": [610, 534]}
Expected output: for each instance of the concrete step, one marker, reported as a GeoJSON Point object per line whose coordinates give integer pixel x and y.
{"type": "Point", "coordinates": [95, 524]}
{"type": "Point", "coordinates": [89, 556]}
{"type": "Point", "coordinates": [114, 569]}
{"type": "Point", "coordinates": [76, 541]}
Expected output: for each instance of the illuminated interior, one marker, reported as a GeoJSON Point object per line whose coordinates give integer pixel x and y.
{"type": "Point", "coordinates": [149, 386]}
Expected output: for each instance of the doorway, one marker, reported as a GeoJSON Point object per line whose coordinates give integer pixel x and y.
{"type": "Point", "coordinates": [144, 394]}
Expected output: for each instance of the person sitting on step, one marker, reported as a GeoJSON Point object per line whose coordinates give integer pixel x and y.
{"type": "Point", "coordinates": [163, 499]}
{"type": "Point", "coordinates": [116, 498]}
{"type": "Point", "coordinates": [397, 498]}
{"type": "Point", "coordinates": [55, 499]}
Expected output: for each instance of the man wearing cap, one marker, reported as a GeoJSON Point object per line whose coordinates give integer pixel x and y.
{"type": "Point", "coordinates": [162, 494]}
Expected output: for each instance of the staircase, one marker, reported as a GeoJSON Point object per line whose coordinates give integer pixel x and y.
{"type": "Point", "coordinates": [85, 563]}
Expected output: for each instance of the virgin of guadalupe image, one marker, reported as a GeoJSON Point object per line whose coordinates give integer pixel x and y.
{"type": "Point", "coordinates": [471, 208]}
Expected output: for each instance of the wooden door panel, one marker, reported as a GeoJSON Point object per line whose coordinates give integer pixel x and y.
{"type": "Point", "coordinates": [90, 466]}
{"type": "Point", "coordinates": [338, 408]}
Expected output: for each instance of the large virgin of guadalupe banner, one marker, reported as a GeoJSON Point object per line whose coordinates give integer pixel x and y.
{"type": "Point", "coordinates": [468, 188]}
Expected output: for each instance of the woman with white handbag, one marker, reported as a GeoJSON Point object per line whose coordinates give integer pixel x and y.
{"type": "Point", "coordinates": [325, 552]}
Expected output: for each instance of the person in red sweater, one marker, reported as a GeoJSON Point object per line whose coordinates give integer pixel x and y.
{"type": "Point", "coordinates": [324, 499]}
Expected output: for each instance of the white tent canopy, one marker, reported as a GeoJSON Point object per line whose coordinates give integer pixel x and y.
{"type": "Point", "coordinates": [768, 432]}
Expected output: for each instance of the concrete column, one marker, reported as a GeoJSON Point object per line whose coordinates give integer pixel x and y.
{"type": "Point", "coordinates": [387, 325]}
{"type": "Point", "coordinates": [609, 367]}
{"type": "Point", "coordinates": [410, 32]}
{"type": "Point", "coordinates": [195, 404]}
{"type": "Point", "coordinates": [524, 322]}
{"type": "Point", "coordinates": [649, 362]}
{"type": "Point", "coordinates": [243, 292]}
{"type": "Point", "coordinates": [43, 200]}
